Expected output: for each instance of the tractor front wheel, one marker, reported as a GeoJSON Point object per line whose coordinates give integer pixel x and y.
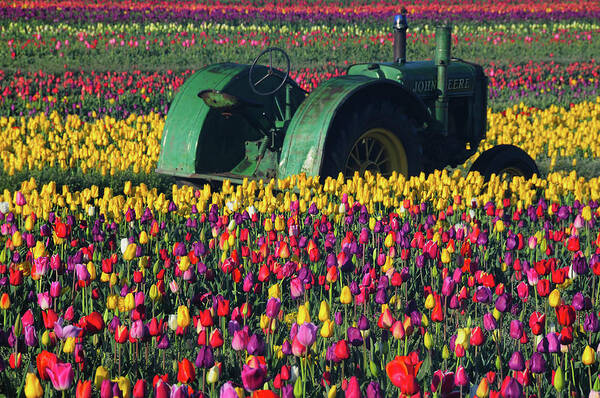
{"type": "Point", "coordinates": [373, 136]}
{"type": "Point", "coordinates": [506, 160]}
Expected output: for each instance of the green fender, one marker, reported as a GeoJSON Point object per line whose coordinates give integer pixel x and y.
{"type": "Point", "coordinates": [186, 116]}
{"type": "Point", "coordinates": [305, 139]}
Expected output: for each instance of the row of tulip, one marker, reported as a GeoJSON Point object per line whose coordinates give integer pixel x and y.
{"type": "Point", "coordinates": [364, 286]}
{"type": "Point", "coordinates": [120, 94]}
{"type": "Point", "coordinates": [79, 11]}
{"type": "Point", "coordinates": [108, 145]}
{"type": "Point", "coordinates": [188, 45]}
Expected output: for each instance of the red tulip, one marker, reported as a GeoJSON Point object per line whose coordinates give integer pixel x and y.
{"type": "Point", "coordinates": [94, 323]}
{"type": "Point", "coordinates": [222, 307]}
{"type": "Point", "coordinates": [341, 350]}
{"type": "Point", "coordinates": [565, 314]}
{"type": "Point", "coordinates": [437, 315]}
{"type": "Point", "coordinates": [186, 373]}
{"type": "Point", "coordinates": [83, 389]}
{"type": "Point", "coordinates": [537, 321]}
{"type": "Point", "coordinates": [45, 360]}
{"type": "Point", "coordinates": [139, 390]}
{"type": "Point", "coordinates": [216, 339]}
{"type": "Point", "coordinates": [121, 334]}
{"type": "Point", "coordinates": [49, 317]}
{"type": "Point", "coordinates": [543, 287]}
{"type": "Point", "coordinates": [15, 360]}
{"type": "Point", "coordinates": [477, 337]}
{"type": "Point", "coordinates": [402, 372]}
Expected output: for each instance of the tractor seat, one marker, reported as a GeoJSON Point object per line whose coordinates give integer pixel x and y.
{"type": "Point", "coordinates": [221, 101]}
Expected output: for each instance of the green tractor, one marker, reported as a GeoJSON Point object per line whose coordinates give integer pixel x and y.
{"type": "Point", "coordinates": [234, 121]}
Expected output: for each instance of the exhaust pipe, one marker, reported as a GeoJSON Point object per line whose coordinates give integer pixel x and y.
{"type": "Point", "coordinates": [400, 27]}
{"type": "Point", "coordinates": [442, 59]}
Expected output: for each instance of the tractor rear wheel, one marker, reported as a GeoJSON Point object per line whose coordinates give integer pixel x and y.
{"type": "Point", "coordinates": [505, 160]}
{"type": "Point", "coordinates": [372, 135]}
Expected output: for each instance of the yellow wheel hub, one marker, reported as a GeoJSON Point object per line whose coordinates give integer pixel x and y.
{"type": "Point", "coordinates": [379, 151]}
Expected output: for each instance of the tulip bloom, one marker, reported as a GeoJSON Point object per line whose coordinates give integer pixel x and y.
{"type": "Point", "coordinates": [186, 372]}
{"type": "Point", "coordinates": [83, 389]}
{"type": "Point", "coordinates": [33, 388]}
{"type": "Point", "coordinates": [44, 361]}
{"type": "Point", "coordinates": [402, 372]}
{"type": "Point", "coordinates": [61, 375]}
{"type": "Point", "coordinates": [253, 377]}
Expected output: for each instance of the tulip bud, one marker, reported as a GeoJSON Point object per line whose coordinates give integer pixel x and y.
{"type": "Point", "coordinates": [213, 375]}
{"type": "Point", "coordinates": [483, 390]}
{"type": "Point", "coordinates": [33, 388]}
{"type": "Point", "coordinates": [589, 356]}
{"type": "Point", "coordinates": [445, 352]}
{"type": "Point", "coordinates": [498, 363]}
{"type": "Point", "coordinates": [427, 341]}
{"type": "Point", "coordinates": [559, 380]}
{"type": "Point", "coordinates": [324, 311]}
{"type": "Point", "coordinates": [554, 298]}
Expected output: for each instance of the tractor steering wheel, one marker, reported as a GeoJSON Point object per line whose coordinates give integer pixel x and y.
{"type": "Point", "coordinates": [270, 72]}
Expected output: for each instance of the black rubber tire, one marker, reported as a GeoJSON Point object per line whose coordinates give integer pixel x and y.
{"type": "Point", "coordinates": [503, 157]}
{"type": "Point", "coordinates": [356, 119]}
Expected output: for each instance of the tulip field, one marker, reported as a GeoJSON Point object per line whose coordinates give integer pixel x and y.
{"type": "Point", "coordinates": [115, 282]}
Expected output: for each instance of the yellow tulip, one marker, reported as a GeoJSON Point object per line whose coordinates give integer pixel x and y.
{"type": "Point", "coordinates": [124, 385]}
{"type": "Point", "coordinates": [69, 346]}
{"type": "Point", "coordinates": [483, 390]}
{"type": "Point", "coordinates": [183, 316]}
{"type": "Point", "coordinates": [184, 263]}
{"type": "Point", "coordinates": [327, 329]}
{"type": "Point", "coordinates": [17, 239]}
{"type": "Point", "coordinates": [303, 315]}
{"type": "Point", "coordinates": [346, 295]}
{"type": "Point", "coordinates": [589, 356]}
{"type": "Point", "coordinates": [429, 301]}
{"type": "Point", "coordinates": [130, 251]}
{"type": "Point", "coordinates": [324, 311]}
{"type": "Point", "coordinates": [275, 291]}
{"type": "Point", "coordinates": [554, 298]}
{"type": "Point", "coordinates": [33, 388]}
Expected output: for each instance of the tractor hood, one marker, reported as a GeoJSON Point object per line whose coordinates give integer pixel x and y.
{"type": "Point", "coordinates": [420, 77]}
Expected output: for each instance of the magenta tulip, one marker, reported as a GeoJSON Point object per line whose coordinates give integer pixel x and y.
{"type": "Point", "coordinates": [61, 375]}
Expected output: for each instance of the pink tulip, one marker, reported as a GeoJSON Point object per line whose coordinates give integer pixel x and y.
{"type": "Point", "coordinates": [44, 300]}
{"type": "Point", "coordinates": [240, 340]}
{"type": "Point", "coordinates": [307, 334]}
{"type": "Point", "coordinates": [61, 375]}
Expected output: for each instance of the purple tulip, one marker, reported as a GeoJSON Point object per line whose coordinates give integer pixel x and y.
{"type": "Point", "coordinates": [205, 358]}
{"type": "Point", "coordinates": [503, 302]}
{"type": "Point", "coordinates": [363, 322]}
{"type": "Point", "coordinates": [354, 336]}
{"type": "Point", "coordinates": [483, 295]}
{"type": "Point", "coordinates": [253, 378]}
{"type": "Point", "coordinates": [338, 318]}
{"type": "Point", "coordinates": [578, 301]}
{"type": "Point", "coordinates": [106, 390]}
{"type": "Point", "coordinates": [256, 345]}
{"type": "Point", "coordinates": [374, 390]}
{"type": "Point", "coordinates": [31, 339]}
{"type": "Point", "coordinates": [591, 324]}
{"type": "Point", "coordinates": [538, 363]}
{"type": "Point", "coordinates": [517, 362]}
{"type": "Point", "coordinates": [516, 329]}
{"type": "Point", "coordinates": [489, 322]}
{"type": "Point", "coordinates": [380, 296]}
{"type": "Point", "coordinates": [273, 307]}
{"type": "Point", "coordinates": [512, 389]}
